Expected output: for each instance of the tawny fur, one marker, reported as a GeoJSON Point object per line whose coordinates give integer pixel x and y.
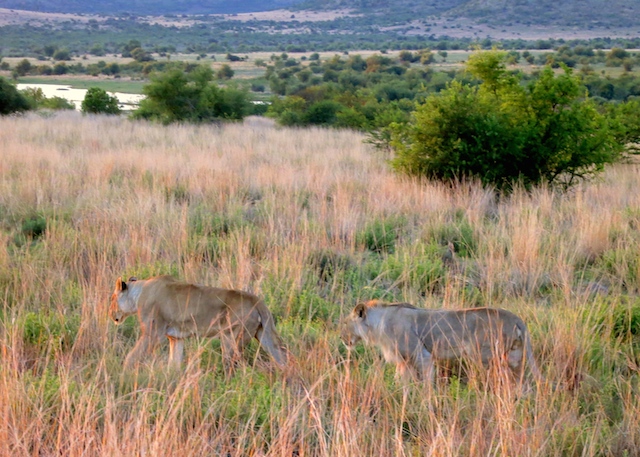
{"type": "Point", "coordinates": [417, 339]}
{"type": "Point", "coordinates": [168, 308]}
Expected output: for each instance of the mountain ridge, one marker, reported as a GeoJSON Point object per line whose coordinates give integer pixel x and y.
{"type": "Point", "coordinates": [581, 13]}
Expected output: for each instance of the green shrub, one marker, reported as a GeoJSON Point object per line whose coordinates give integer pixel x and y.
{"type": "Point", "coordinates": [459, 232]}
{"type": "Point", "coordinates": [322, 113]}
{"type": "Point", "coordinates": [177, 96]}
{"type": "Point", "coordinates": [11, 100]}
{"type": "Point", "coordinates": [309, 306]}
{"type": "Point", "coordinates": [623, 265]}
{"type": "Point", "coordinates": [34, 227]}
{"type": "Point", "coordinates": [204, 222]}
{"type": "Point", "coordinates": [42, 330]}
{"type": "Point", "coordinates": [327, 263]}
{"type": "Point", "coordinates": [504, 133]}
{"type": "Point", "coordinates": [419, 268]}
{"type": "Point", "coordinates": [57, 103]}
{"type": "Point", "coordinates": [380, 235]}
{"type": "Point", "coordinates": [626, 321]}
{"type": "Point", "coordinates": [98, 101]}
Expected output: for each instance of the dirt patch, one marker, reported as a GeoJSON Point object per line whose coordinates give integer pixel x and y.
{"type": "Point", "coordinates": [18, 17]}
{"type": "Point", "coordinates": [290, 16]}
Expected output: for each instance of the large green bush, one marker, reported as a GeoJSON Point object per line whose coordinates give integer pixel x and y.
{"type": "Point", "coordinates": [98, 101]}
{"type": "Point", "coordinates": [178, 96]}
{"type": "Point", "coordinates": [11, 100]}
{"type": "Point", "coordinates": [505, 133]}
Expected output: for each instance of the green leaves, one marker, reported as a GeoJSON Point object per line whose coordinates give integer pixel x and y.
{"type": "Point", "coordinates": [98, 101]}
{"type": "Point", "coordinates": [504, 133]}
{"type": "Point", "coordinates": [176, 96]}
{"type": "Point", "coordinates": [11, 100]}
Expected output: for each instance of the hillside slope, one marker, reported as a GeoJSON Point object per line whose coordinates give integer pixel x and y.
{"type": "Point", "coordinates": [148, 7]}
{"type": "Point", "coordinates": [577, 13]}
{"type": "Point", "coordinates": [581, 13]}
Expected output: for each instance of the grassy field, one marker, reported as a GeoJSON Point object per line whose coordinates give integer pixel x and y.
{"type": "Point", "coordinates": [109, 85]}
{"type": "Point", "coordinates": [313, 221]}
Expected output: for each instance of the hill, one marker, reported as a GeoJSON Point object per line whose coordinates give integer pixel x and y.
{"type": "Point", "coordinates": [147, 7]}
{"type": "Point", "coordinates": [583, 13]}
{"type": "Point", "coordinates": [580, 13]}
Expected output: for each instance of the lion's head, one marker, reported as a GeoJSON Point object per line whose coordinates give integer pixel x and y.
{"type": "Point", "coordinates": [354, 326]}
{"type": "Point", "coordinates": [120, 306]}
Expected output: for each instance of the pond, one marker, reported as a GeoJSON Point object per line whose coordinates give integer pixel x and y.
{"type": "Point", "coordinates": [75, 96]}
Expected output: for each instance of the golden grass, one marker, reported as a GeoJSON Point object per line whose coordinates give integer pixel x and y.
{"type": "Point", "coordinates": [251, 206]}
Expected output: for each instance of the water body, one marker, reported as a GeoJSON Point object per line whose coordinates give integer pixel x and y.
{"type": "Point", "coordinates": [75, 96]}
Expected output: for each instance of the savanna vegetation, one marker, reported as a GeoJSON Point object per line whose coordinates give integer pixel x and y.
{"type": "Point", "coordinates": [313, 221]}
{"type": "Point", "coordinates": [487, 119]}
{"type": "Point", "coordinates": [504, 133]}
{"type": "Point", "coordinates": [98, 101]}
{"type": "Point", "coordinates": [176, 96]}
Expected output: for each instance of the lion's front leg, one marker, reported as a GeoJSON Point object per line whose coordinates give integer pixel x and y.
{"type": "Point", "coordinates": [149, 340]}
{"type": "Point", "coordinates": [425, 366]}
{"type": "Point", "coordinates": [403, 372]}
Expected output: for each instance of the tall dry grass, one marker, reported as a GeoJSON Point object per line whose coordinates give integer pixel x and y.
{"type": "Point", "coordinates": [313, 221]}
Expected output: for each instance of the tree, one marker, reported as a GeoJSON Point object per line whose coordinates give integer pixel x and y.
{"type": "Point", "coordinates": [23, 67]}
{"type": "Point", "coordinates": [98, 101]}
{"type": "Point", "coordinates": [97, 50]}
{"type": "Point", "coordinates": [225, 72]}
{"type": "Point", "coordinates": [37, 99]}
{"type": "Point", "coordinates": [504, 133]}
{"type": "Point", "coordinates": [176, 96]}
{"type": "Point", "coordinates": [57, 103]}
{"type": "Point", "coordinates": [427, 57]}
{"type": "Point", "coordinates": [50, 49]}
{"type": "Point", "coordinates": [627, 118]}
{"type": "Point", "coordinates": [130, 46]}
{"type": "Point", "coordinates": [60, 68]}
{"type": "Point", "coordinates": [141, 55]}
{"type": "Point", "coordinates": [61, 54]}
{"type": "Point", "coordinates": [11, 100]}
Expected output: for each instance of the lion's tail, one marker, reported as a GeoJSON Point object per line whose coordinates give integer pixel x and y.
{"type": "Point", "coordinates": [268, 336]}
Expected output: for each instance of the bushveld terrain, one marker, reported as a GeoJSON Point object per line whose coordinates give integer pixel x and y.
{"type": "Point", "coordinates": [300, 22]}
{"type": "Point", "coordinates": [313, 221]}
{"type": "Point", "coordinates": [251, 68]}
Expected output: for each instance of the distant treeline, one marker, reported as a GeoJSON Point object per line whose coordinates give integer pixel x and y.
{"type": "Point", "coordinates": [216, 35]}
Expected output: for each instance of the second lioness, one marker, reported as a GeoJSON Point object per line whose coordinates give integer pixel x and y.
{"type": "Point", "coordinates": [416, 339]}
{"type": "Point", "coordinates": [171, 309]}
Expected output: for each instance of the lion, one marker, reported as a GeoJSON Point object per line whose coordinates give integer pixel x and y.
{"type": "Point", "coordinates": [417, 339]}
{"type": "Point", "coordinates": [177, 310]}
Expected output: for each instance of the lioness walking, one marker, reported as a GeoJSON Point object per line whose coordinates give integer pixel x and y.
{"type": "Point", "coordinates": [416, 339]}
{"type": "Point", "coordinates": [177, 310]}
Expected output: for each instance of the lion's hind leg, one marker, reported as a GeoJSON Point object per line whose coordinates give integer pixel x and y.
{"type": "Point", "coordinates": [176, 350]}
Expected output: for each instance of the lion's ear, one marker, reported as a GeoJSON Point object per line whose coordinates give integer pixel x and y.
{"type": "Point", "coordinates": [360, 310]}
{"type": "Point", "coordinates": [133, 278]}
{"type": "Point", "coordinates": [121, 285]}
